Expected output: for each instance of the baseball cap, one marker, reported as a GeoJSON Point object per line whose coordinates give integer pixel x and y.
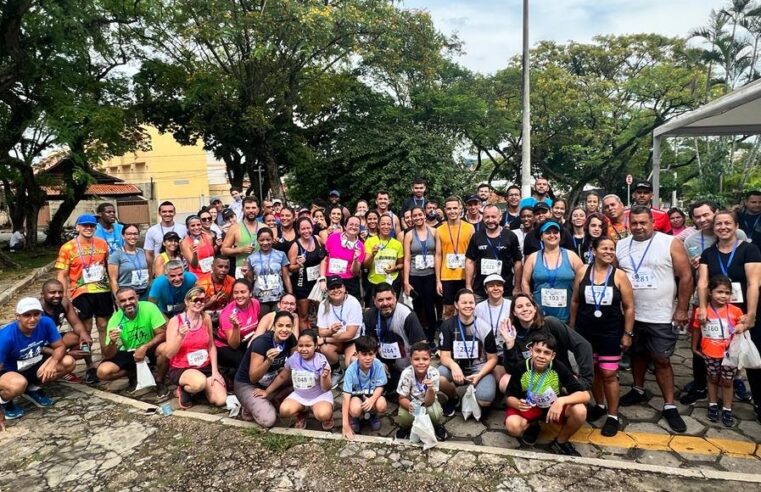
{"type": "Point", "coordinates": [87, 219]}
{"type": "Point", "coordinates": [277, 200]}
{"type": "Point", "coordinates": [549, 225]}
{"type": "Point", "coordinates": [494, 278]}
{"type": "Point", "coordinates": [215, 199]}
{"type": "Point", "coordinates": [472, 198]}
{"type": "Point", "coordinates": [541, 206]}
{"type": "Point", "coordinates": [171, 235]}
{"type": "Point", "coordinates": [334, 192]}
{"type": "Point", "coordinates": [643, 184]}
{"type": "Point", "coordinates": [28, 304]}
{"type": "Point", "coordinates": [335, 281]}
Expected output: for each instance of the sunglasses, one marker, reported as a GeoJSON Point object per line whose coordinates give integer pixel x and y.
{"type": "Point", "coordinates": [205, 219]}
{"type": "Point", "coordinates": [199, 300]}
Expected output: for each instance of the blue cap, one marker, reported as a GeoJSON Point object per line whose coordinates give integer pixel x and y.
{"type": "Point", "coordinates": [87, 219]}
{"type": "Point", "coordinates": [472, 198]}
{"type": "Point", "coordinates": [549, 225]}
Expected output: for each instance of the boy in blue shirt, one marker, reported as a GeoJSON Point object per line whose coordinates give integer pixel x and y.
{"type": "Point", "coordinates": [364, 382]}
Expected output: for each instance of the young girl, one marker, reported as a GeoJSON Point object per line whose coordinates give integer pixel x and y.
{"type": "Point", "coordinates": [309, 372]}
{"type": "Point", "coordinates": [723, 321]}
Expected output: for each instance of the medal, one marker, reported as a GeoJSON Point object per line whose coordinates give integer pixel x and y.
{"type": "Point", "coordinates": [598, 313]}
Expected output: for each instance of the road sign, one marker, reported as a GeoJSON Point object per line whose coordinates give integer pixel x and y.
{"type": "Point", "coordinates": [629, 179]}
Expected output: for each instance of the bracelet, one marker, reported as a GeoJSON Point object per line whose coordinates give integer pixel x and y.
{"type": "Point", "coordinates": [629, 333]}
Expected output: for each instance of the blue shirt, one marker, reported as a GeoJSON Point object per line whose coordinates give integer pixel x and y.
{"type": "Point", "coordinates": [170, 299]}
{"type": "Point", "coordinates": [358, 382]}
{"type": "Point", "coordinates": [114, 238]}
{"type": "Point", "coordinates": [19, 352]}
{"type": "Point", "coordinates": [531, 201]}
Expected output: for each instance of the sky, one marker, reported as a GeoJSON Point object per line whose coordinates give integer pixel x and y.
{"type": "Point", "coordinates": [492, 29]}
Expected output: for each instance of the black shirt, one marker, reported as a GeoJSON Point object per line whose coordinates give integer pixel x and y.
{"type": "Point", "coordinates": [260, 345]}
{"type": "Point", "coordinates": [533, 241]}
{"type": "Point", "coordinates": [745, 253]}
{"type": "Point", "coordinates": [504, 248]}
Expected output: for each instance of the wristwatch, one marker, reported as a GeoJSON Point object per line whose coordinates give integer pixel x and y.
{"type": "Point", "coordinates": [629, 333]}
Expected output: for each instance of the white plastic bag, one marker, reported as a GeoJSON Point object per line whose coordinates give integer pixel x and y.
{"type": "Point", "coordinates": [407, 300]}
{"type": "Point", "coordinates": [749, 356]}
{"type": "Point", "coordinates": [422, 430]}
{"type": "Point", "coordinates": [233, 405]}
{"type": "Point", "coordinates": [732, 355]}
{"type": "Point", "coordinates": [316, 294]}
{"type": "Point", "coordinates": [144, 376]}
{"type": "Point", "coordinates": [470, 404]}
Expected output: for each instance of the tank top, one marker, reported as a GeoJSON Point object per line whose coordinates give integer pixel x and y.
{"type": "Point", "coordinates": [553, 286]}
{"type": "Point", "coordinates": [422, 249]}
{"type": "Point", "coordinates": [205, 254]}
{"type": "Point", "coordinates": [612, 320]}
{"type": "Point", "coordinates": [283, 244]}
{"type": "Point", "coordinates": [194, 349]}
{"type": "Point", "coordinates": [247, 236]}
{"type": "Point", "coordinates": [311, 259]}
{"type": "Point", "coordinates": [653, 297]}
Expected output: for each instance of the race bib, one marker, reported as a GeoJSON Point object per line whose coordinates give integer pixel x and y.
{"type": "Point", "coordinates": [592, 292]}
{"type": "Point", "coordinates": [424, 262]}
{"type": "Point", "coordinates": [93, 274]}
{"type": "Point", "coordinates": [554, 298]}
{"type": "Point", "coordinates": [337, 266]}
{"type": "Point", "coordinates": [239, 272]}
{"type": "Point", "coordinates": [381, 265]}
{"type": "Point", "coordinates": [198, 358]}
{"type": "Point", "coordinates": [455, 261]}
{"type": "Point", "coordinates": [27, 363]}
{"type": "Point", "coordinates": [712, 329]}
{"type": "Point", "coordinates": [546, 399]}
{"type": "Point", "coordinates": [737, 293]}
{"type": "Point", "coordinates": [465, 349]}
{"type": "Point", "coordinates": [390, 351]}
{"type": "Point", "coordinates": [303, 380]}
{"type": "Point", "coordinates": [490, 266]}
{"type": "Point", "coordinates": [644, 279]}
{"type": "Point", "coordinates": [139, 277]}
{"type": "Point", "coordinates": [268, 282]}
{"type": "Point", "coordinates": [526, 354]}
{"type": "Point", "coordinates": [205, 264]}
{"type": "Point", "coordinates": [313, 273]}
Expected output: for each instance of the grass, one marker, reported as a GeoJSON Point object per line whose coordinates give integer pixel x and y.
{"type": "Point", "coordinates": [278, 443]}
{"type": "Point", "coordinates": [29, 260]}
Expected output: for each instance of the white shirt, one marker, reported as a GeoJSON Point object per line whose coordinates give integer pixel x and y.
{"type": "Point", "coordinates": [494, 315]}
{"type": "Point", "coordinates": [348, 314]}
{"type": "Point", "coordinates": [154, 237]}
{"type": "Point", "coordinates": [237, 207]}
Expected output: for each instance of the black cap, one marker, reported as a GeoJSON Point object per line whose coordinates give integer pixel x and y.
{"type": "Point", "coordinates": [334, 281]}
{"type": "Point", "coordinates": [541, 206]}
{"type": "Point", "coordinates": [472, 198]}
{"type": "Point", "coordinates": [643, 184]}
{"type": "Point", "coordinates": [171, 235]}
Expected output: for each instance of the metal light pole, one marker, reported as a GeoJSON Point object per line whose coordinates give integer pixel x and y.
{"type": "Point", "coordinates": [526, 133]}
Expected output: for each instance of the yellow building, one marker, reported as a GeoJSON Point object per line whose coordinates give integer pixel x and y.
{"type": "Point", "coordinates": [184, 175]}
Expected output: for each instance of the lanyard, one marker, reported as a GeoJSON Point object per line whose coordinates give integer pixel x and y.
{"type": "Point", "coordinates": [382, 246]}
{"type": "Point", "coordinates": [702, 242]}
{"type": "Point", "coordinates": [422, 204]}
{"type": "Point", "coordinates": [92, 253]}
{"type": "Point", "coordinates": [604, 285]}
{"type": "Point", "coordinates": [339, 317]}
{"type": "Point", "coordinates": [631, 259]}
{"type": "Point", "coordinates": [261, 263]}
{"type": "Point", "coordinates": [532, 390]}
{"type": "Point", "coordinates": [750, 230]}
{"type": "Point", "coordinates": [378, 328]}
{"type": "Point", "coordinates": [256, 229]}
{"type": "Point", "coordinates": [280, 346]}
{"type": "Point", "coordinates": [499, 316]}
{"type": "Point", "coordinates": [190, 327]}
{"type": "Point", "coordinates": [303, 250]}
{"type": "Point", "coordinates": [552, 273]}
{"type": "Point", "coordinates": [729, 321]}
{"type": "Point", "coordinates": [370, 378]}
{"type": "Point", "coordinates": [423, 244]}
{"type": "Point", "coordinates": [168, 230]}
{"type": "Point", "coordinates": [454, 245]}
{"type": "Point", "coordinates": [725, 268]}
{"type": "Point", "coordinates": [136, 263]}
{"type": "Point", "coordinates": [469, 353]}
{"type": "Point", "coordinates": [493, 248]}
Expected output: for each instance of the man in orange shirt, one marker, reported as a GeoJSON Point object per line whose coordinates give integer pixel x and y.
{"type": "Point", "coordinates": [451, 244]}
{"type": "Point", "coordinates": [218, 286]}
{"type": "Point", "coordinates": [81, 266]}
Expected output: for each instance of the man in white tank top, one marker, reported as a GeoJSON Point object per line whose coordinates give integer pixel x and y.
{"type": "Point", "coordinates": [652, 260]}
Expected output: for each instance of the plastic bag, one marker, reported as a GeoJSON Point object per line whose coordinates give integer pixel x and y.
{"type": "Point", "coordinates": [422, 430]}
{"type": "Point", "coordinates": [749, 356]}
{"type": "Point", "coordinates": [233, 405]}
{"type": "Point", "coordinates": [144, 376]}
{"type": "Point", "coordinates": [407, 300]}
{"type": "Point", "coordinates": [316, 294]}
{"type": "Point", "coordinates": [470, 405]}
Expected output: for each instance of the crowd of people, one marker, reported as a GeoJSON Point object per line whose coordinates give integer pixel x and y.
{"type": "Point", "coordinates": [537, 306]}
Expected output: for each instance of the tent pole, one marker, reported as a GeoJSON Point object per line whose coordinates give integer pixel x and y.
{"type": "Point", "coordinates": [656, 171]}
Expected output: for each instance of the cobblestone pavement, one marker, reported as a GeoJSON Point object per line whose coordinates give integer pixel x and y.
{"type": "Point", "coordinates": [88, 443]}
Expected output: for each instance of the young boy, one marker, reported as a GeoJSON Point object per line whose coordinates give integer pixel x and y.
{"type": "Point", "coordinates": [364, 383]}
{"type": "Point", "coordinates": [419, 383]}
{"type": "Point", "coordinates": [534, 394]}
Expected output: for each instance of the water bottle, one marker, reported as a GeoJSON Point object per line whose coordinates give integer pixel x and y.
{"type": "Point", "coordinates": [416, 407]}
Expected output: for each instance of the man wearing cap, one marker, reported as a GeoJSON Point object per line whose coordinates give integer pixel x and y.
{"type": "Point", "coordinates": [492, 250]}
{"type": "Point", "coordinates": [339, 323]}
{"type": "Point", "coordinates": [82, 268]}
{"type": "Point", "coordinates": [334, 197]}
{"type": "Point", "coordinates": [495, 309]}
{"type": "Point", "coordinates": [154, 236]}
{"type": "Point", "coordinates": [108, 228]}
{"type": "Point", "coordinates": [643, 195]}
{"type": "Point", "coordinates": [168, 290]}
{"type": "Point", "coordinates": [533, 240]}
{"type": "Point", "coordinates": [23, 365]}
{"type": "Point", "coordinates": [540, 194]}
{"type": "Point", "coordinates": [277, 207]}
{"type": "Point", "coordinates": [473, 211]}
{"type": "Point", "coordinates": [241, 240]}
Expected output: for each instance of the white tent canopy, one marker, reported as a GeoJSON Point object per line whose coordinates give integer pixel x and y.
{"type": "Point", "coordinates": [737, 113]}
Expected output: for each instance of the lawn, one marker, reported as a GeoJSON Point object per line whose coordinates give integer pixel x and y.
{"type": "Point", "coordinates": [28, 260]}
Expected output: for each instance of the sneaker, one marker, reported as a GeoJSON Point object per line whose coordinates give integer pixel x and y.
{"type": "Point", "coordinates": [131, 387]}
{"type": "Point", "coordinates": [741, 392]}
{"type": "Point", "coordinates": [610, 428]}
{"type": "Point", "coordinates": [689, 387]}
{"type": "Point", "coordinates": [531, 435]}
{"type": "Point", "coordinates": [162, 391]}
{"type": "Point", "coordinates": [39, 398]}
{"type": "Point", "coordinates": [450, 407]}
{"type": "Point", "coordinates": [12, 411]}
{"type": "Point", "coordinates": [632, 398]}
{"type": "Point", "coordinates": [727, 419]}
{"type": "Point", "coordinates": [354, 423]}
{"type": "Point", "coordinates": [184, 399]}
{"type": "Point", "coordinates": [71, 378]}
{"type": "Point", "coordinates": [91, 377]}
{"type": "Point", "coordinates": [713, 413]}
{"type": "Point", "coordinates": [375, 422]}
{"type": "Point", "coordinates": [335, 378]}
{"type": "Point", "coordinates": [404, 433]}
{"type": "Point", "coordinates": [565, 448]}
{"type": "Point", "coordinates": [674, 420]}
{"type": "Point", "coordinates": [693, 396]}
{"type": "Point", "coordinates": [441, 432]}
{"type": "Point", "coordinates": [595, 412]}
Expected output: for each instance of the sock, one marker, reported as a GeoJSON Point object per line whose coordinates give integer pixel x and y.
{"type": "Point", "coordinates": [713, 404]}
{"type": "Point", "coordinates": [613, 416]}
{"type": "Point", "coordinates": [668, 406]}
{"type": "Point", "coordinates": [639, 390]}
{"type": "Point", "coordinates": [3, 402]}
{"type": "Point", "coordinates": [600, 406]}
{"type": "Point", "coordinates": [726, 409]}
{"type": "Point", "coordinates": [32, 387]}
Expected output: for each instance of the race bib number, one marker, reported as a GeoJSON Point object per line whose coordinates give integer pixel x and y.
{"type": "Point", "coordinates": [554, 298]}
{"type": "Point", "coordinates": [139, 277]}
{"type": "Point", "coordinates": [465, 349]}
{"type": "Point", "coordinates": [268, 282]}
{"type": "Point", "coordinates": [526, 354]}
{"type": "Point", "coordinates": [455, 261]}
{"type": "Point", "coordinates": [313, 273]}
{"type": "Point", "coordinates": [303, 380]}
{"type": "Point", "coordinates": [712, 329]}
{"type": "Point", "coordinates": [198, 358]}
{"type": "Point", "coordinates": [93, 274]}
{"type": "Point", "coordinates": [390, 351]}
{"type": "Point", "coordinates": [737, 293]}
{"type": "Point", "coordinates": [337, 266]}
{"type": "Point", "coordinates": [381, 265]}
{"type": "Point", "coordinates": [205, 264]}
{"type": "Point", "coordinates": [24, 364]}
{"type": "Point", "coordinates": [592, 292]}
{"type": "Point", "coordinates": [490, 266]}
{"type": "Point", "coordinates": [423, 262]}
{"type": "Point", "coordinates": [546, 399]}
{"type": "Point", "coordinates": [644, 279]}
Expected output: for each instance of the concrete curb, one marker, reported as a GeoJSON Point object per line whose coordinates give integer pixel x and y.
{"type": "Point", "coordinates": [449, 446]}
{"type": "Point", "coordinates": [24, 282]}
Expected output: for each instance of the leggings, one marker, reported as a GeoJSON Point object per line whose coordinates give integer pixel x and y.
{"type": "Point", "coordinates": [263, 410]}
{"type": "Point", "coordinates": [425, 302]}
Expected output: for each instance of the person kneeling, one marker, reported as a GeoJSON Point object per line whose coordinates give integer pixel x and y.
{"type": "Point", "coordinates": [23, 365]}
{"type": "Point", "coordinates": [418, 385]}
{"type": "Point", "coordinates": [534, 394]}
{"type": "Point", "coordinates": [364, 383]}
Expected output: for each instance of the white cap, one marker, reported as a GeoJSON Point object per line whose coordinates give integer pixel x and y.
{"type": "Point", "coordinates": [28, 304]}
{"type": "Point", "coordinates": [494, 278]}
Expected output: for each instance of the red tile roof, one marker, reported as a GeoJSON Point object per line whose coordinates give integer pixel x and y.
{"type": "Point", "coordinates": [97, 189]}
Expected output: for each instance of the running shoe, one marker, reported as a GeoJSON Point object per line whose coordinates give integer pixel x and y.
{"type": "Point", "coordinates": [632, 398]}
{"type": "Point", "coordinates": [692, 396]}
{"type": "Point", "coordinates": [531, 434]}
{"type": "Point", "coordinates": [610, 428]}
{"type": "Point", "coordinates": [404, 433]}
{"type": "Point", "coordinates": [39, 398]}
{"type": "Point", "coordinates": [441, 432]}
{"type": "Point", "coordinates": [184, 399]}
{"type": "Point", "coordinates": [91, 376]}
{"type": "Point", "coordinates": [71, 378]}
{"type": "Point", "coordinates": [335, 378]}
{"type": "Point", "coordinates": [727, 419]}
{"type": "Point", "coordinates": [450, 407]}
{"type": "Point", "coordinates": [713, 413]}
{"type": "Point", "coordinates": [565, 448]}
{"type": "Point", "coordinates": [741, 392]}
{"type": "Point", "coordinates": [162, 391]}
{"type": "Point", "coordinates": [12, 411]}
{"type": "Point", "coordinates": [375, 422]}
{"type": "Point", "coordinates": [674, 420]}
{"type": "Point", "coordinates": [595, 412]}
{"type": "Point", "coordinates": [354, 423]}
{"type": "Point", "coordinates": [626, 362]}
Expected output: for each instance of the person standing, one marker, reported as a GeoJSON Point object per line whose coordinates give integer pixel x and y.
{"type": "Point", "coordinates": [418, 198]}
{"type": "Point", "coordinates": [268, 272]}
{"type": "Point", "coordinates": [304, 258]}
{"type": "Point", "coordinates": [592, 202]}
{"type": "Point", "coordinates": [419, 272]}
{"type": "Point", "coordinates": [384, 258]}
{"type": "Point", "coordinates": [540, 194]}
{"type": "Point", "coordinates": [750, 216]}
{"type": "Point", "coordinates": [345, 254]}
{"type": "Point", "coordinates": [237, 204]}
{"type": "Point", "coordinates": [197, 247]}
{"type": "Point", "coordinates": [533, 240]}
{"type": "Point", "coordinates": [382, 206]}
{"type": "Point", "coordinates": [451, 244]}
{"type": "Point", "coordinates": [128, 266]}
{"type": "Point", "coordinates": [154, 237]}
{"type": "Point", "coordinates": [618, 217]}
{"type": "Point", "coordinates": [511, 218]}
{"type": "Point", "coordinates": [240, 241]}
{"type": "Point", "coordinates": [677, 220]}
{"type": "Point", "coordinates": [643, 195]}
{"type": "Point", "coordinates": [108, 228]}
{"type": "Point", "coordinates": [473, 211]}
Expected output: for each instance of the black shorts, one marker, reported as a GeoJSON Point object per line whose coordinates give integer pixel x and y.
{"type": "Point", "coordinates": [126, 360]}
{"type": "Point", "coordinates": [100, 305]}
{"type": "Point", "coordinates": [657, 339]}
{"type": "Point", "coordinates": [449, 288]}
{"type": "Point", "coordinates": [175, 373]}
{"type": "Point", "coordinates": [30, 373]}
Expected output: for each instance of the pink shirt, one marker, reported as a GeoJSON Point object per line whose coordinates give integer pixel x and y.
{"type": "Point", "coordinates": [340, 256]}
{"type": "Point", "coordinates": [248, 318]}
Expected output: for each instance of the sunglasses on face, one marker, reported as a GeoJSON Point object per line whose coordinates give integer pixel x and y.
{"type": "Point", "coordinates": [199, 300]}
{"type": "Point", "coordinates": [205, 219]}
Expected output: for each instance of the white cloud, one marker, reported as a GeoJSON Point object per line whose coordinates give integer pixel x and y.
{"type": "Point", "coordinates": [492, 31]}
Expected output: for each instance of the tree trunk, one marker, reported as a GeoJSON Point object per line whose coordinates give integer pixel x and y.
{"type": "Point", "coordinates": [72, 197]}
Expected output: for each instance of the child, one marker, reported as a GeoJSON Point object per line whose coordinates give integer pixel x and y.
{"type": "Point", "coordinates": [534, 394]}
{"type": "Point", "coordinates": [310, 374]}
{"type": "Point", "coordinates": [419, 383]}
{"type": "Point", "coordinates": [364, 383]}
{"type": "Point", "coordinates": [722, 321]}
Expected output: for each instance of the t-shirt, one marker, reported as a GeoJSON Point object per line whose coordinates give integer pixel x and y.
{"type": "Point", "coordinates": [699, 242]}
{"type": "Point", "coordinates": [85, 264]}
{"type": "Point", "coordinates": [545, 386]}
{"type": "Point", "coordinates": [359, 382]}
{"type": "Point", "coordinates": [154, 236]}
{"type": "Point", "coordinates": [19, 352]}
{"type": "Point", "coordinates": [454, 244]}
{"type": "Point", "coordinates": [751, 226]}
{"type": "Point", "coordinates": [303, 369]}
{"type": "Point", "coordinates": [402, 328]}
{"type": "Point", "coordinates": [268, 271]}
{"type": "Point", "coordinates": [133, 268]}
{"type": "Point", "coordinates": [715, 333]}
{"type": "Point", "coordinates": [206, 282]}
{"type": "Point", "coordinates": [113, 238]}
{"type": "Point", "coordinates": [468, 351]}
{"type": "Point", "coordinates": [260, 345]}
{"type": "Point", "coordinates": [531, 202]}
{"type": "Point", "coordinates": [341, 253]}
{"type": "Point", "coordinates": [17, 240]}
{"type": "Point", "coordinates": [248, 319]}
{"type": "Point", "coordinates": [493, 255]}
{"type": "Point", "coordinates": [139, 331]}
{"type": "Point", "coordinates": [410, 387]}
{"type": "Point", "coordinates": [171, 299]}
{"type": "Point", "coordinates": [745, 253]}
{"type": "Point", "coordinates": [388, 253]}
{"type": "Point", "coordinates": [494, 316]}
{"type": "Point", "coordinates": [349, 313]}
